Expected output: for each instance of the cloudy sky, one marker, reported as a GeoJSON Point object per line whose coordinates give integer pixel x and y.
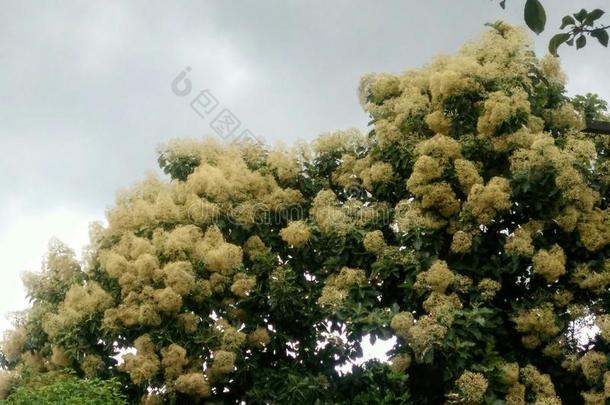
{"type": "Point", "coordinates": [86, 89]}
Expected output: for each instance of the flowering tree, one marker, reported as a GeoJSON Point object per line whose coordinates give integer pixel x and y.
{"type": "Point", "coordinates": [471, 225]}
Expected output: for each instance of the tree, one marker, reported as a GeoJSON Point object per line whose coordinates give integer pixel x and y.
{"type": "Point", "coordinates": [471, 224]}
{"type": "Point", "coordinates": [577, 26]}
{"type": "Point", "coordinates": [593, 107]}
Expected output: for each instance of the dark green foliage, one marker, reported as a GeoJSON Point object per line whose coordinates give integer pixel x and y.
{"type": "Point", "coordinates": [579, 25]}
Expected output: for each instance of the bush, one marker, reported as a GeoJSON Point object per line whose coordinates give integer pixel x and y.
{"type": "Point", "coordinates": [67, 390]}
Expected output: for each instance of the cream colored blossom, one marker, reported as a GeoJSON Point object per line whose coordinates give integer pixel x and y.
{"type": "Point", "coordinates": [467, 174]}
{"type": "Point", "coordinates": [563, 297]}
{"type": "Point", "coordinates": [400, 363]}
{"type": "Point", "coordinates": [550, 264]}
{"type": "Point", "coordinates": [217, 254]}
{"type": "Point", "coordinates": [551, 69]}
{"type": "Point", "coordinates": [516, 394]}
{"type": "Point", "coordinates": [379, 173]}
{"type": "Point", "coordinates": [438, 122]}
{"type": "Point", "coordinates": [331, 219]}
{"type": "Point", "coordinates": [146, 267]}
{"type": "Point", "coordinates": [521, 138]}
{"type": "Point", "coordinates": [462, 283]}
{"type": "Point", "coordinates": [594, 398]}
{"type": "Point", "coordinates": [565, 117]}
{"type": "Point", "coordinates": [440, 147]}
{"type": "Point", "coordinates": [332, 296]}
{"type": "Point", "coordinates": [189, 321]}
{"type": "Point", "coordinates": [520, 243]}
{"type": "Point", "coordinates": [297, 233]}
{"type": "Point", "coordinates": [425, 170]}
{"type": "Point", "coordinates": [538, 325]}
{"type": "Point", "coordinates": [471, 387]}
{"type": "Point", "coordinates": [535, 124]}
{"type": "Point", "coordinates": [218, 282]}
{"type": "Point", "coordinates": [440, 197]}
{"type": "Point", "coordinates": [80, 302]}
{"type": "Point", "coordinates": [442, 307]}
{"type": "Point", "coordinates": [570, 363]}
{"type": "Point", "coordinates": [603, 323]}
{"type": "Point", "coordinates": [202, 290]}
{"type": "Point", "coordinates": [500, 107]}
{"type": "Point", "coordinates": [488, 288]}
{"type": "Point", "coordinates": [486, 202]}
{"type": "Point", "coordinates": [242, 285]}
{"type": "Point", "coordinates": [180, 243]}
{"type": "Point", "coordinates": [596, 281]}
{"type": "Point", "coordinates": [179, 276]}
{"type": "Point", "coordinates": [437, 278]}
{"type": "Point", "coordinates": [284, 163]}
{"type": "Point", "coordinates": [193, 384]}
{"type": "Point", "coordinates": [13, 343]}
{"type": "Point", "coordinates": [593, 365]}
{"type": "Point", "coordinates": [553, 350]}
{"type": "Point", "coordinates": [461, 242]}
{"type": "Point", "coordinates": [173, 360]}
{"type": "Point", "coordinates": [568, 218]}
{"type": "Point", "coordinates": [337, 286]}
{"type": "Point", "coordinates": [92, 365]}
{"type": "Point", "coordinates": [510, 373]}
{"type": "Point", "coordinates": [541, 384]}
{"type": "Point", "coordinates": [230, 337]}
{"type": "Point", "coordinates": [383, 85]}
{"type": "Point", "coordinates": [594, 229]}
{"type": "Point", "coordinates": [60, 358]}
{"type": "Point", "coordinates": [410, 215]}
{"type": "Point", "coordinates": [143, 365]}
{"type": "Point", "coordinates": [338, 141]}
{"type": "Point", "coordinates": [151, 399]}
{"type": "Point", "coordinates": [451, 82]}
{"type": "Point", "coordinates": [582, 150]}
{"type": "Point", "coordinates": [33, 362]}
{"type": "Point", "coordinates": [374, 242]}
{"type": "Point", "coordinates": [349, 277]}
{"type": "Point", "coordinates": [185, 258]}
{"type": "Point", "coordinates": [168, 300]}
{"type": "Point", "coordinates": [402, 323]}
{"type": "Point", "coordinates": [259, 337]}
{"type": "Point", "coordinates": [8, 379]}
{"type": "Point", "coordinates": [254, 247]}
{"type": "Point", "coordinates": [425, 334]}
{"type": "Point", "coordinates": [224, 361]}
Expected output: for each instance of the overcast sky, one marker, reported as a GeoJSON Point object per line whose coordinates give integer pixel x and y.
{"type": "Point", "coordinates": [86, 89]}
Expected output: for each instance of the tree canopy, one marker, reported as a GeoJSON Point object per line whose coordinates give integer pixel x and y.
{"type": "Point", "coordinates": [471, 224]}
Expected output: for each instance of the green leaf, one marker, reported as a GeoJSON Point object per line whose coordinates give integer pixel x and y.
{"type": "Point", "coordinates": [601, 35]}
{"type": "Point", "coordinates": [535, 16]}
{"type": "Point", "coordinates": [581, 15]}
{"type": "Point", "coordinates": [581, 41]}
{"type": "Point", "coordinates": [594, 16]}
{"type": "Point", "coordinates": [567, 20]}
{"type": "Point", "coordinates": [556, 41]}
